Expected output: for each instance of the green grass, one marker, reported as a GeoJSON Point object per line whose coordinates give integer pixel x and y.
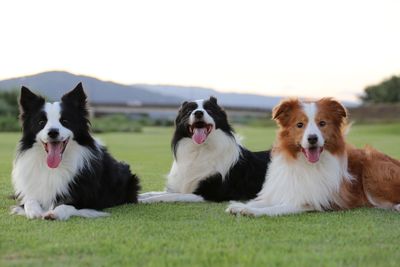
{"type": "Point", "coordinates": [199, 234]}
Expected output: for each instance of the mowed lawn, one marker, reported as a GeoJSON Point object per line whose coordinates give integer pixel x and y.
{"type": "Point", "coordinates": [199, 234]}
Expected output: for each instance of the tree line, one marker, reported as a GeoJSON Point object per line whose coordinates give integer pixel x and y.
{"type": "Point", "coordinates": [387, 91]}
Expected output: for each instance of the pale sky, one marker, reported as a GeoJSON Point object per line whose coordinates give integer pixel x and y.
{"type": "Point", "coordinates": [291, 48]}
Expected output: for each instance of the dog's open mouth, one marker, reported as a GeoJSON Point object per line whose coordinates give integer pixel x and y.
{"type": "Point", "coordinates": [312, 154]}
{"type": "Point", "coordinates": [200, 131]}
{"type": "Point", "coordinates": [55, 152]}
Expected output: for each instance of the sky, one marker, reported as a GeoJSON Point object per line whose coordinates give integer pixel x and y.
{"type": "Point", "coordinates": [282, 48]}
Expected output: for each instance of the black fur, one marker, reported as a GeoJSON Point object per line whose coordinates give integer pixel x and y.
{"type": "Point", "coordinates": [245, 178]}
{"type": "Point", "coordinates": [243, 181]}
{"type": "Point", "coordinates": [104, 182]}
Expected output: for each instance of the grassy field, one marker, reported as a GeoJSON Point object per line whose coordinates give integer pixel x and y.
{"type": "Point", "coordinates": [199, 234]}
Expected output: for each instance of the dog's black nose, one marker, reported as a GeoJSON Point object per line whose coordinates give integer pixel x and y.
{"type": "Point", "coordinates": [53, 133]}
{"type": "Point", "coordinates": [312, 139]}
{"type": "Point", "coordinates": [198, 114]}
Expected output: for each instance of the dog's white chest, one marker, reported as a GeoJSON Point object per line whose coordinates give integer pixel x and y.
{"type": "Point", "coordinates": [197, 162]}
{"type": "Point", "coordinates": [300, 183]}
{"type": "Point", "coordinates": [34, 180]}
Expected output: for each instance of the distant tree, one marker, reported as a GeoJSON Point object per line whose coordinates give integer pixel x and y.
{"type": "Point", "coordinates": [388, 91]}
{"type": "Point", "coordinates": [9, 103]}
{"type": "Point", "coordinates": [9, 111]}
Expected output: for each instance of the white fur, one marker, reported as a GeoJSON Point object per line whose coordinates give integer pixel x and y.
{"type": "Point", "coordinates": [53, 113]}
{"type": "Point", "coordinates": [34, 182]}
{"type": "Point", "coordinates": [64, 212]}
{"type": "Point", "coordinates": [195, 162]}
{"type": "Point", "coordinates": [258, 208]}
{"type": "Point", "coordinates": [207, 118]}
{"type": "Point", "coordinates": [310, 109]}
{"type": "Point", "coordinates": [294, 186]}
{"type": "Point", "coordinates": [170, 197]}
{"type": "Point", "coordinates": [33, 209]}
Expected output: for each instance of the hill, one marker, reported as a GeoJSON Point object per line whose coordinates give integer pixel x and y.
{"type": "Point", "coordinates": [54, 84]}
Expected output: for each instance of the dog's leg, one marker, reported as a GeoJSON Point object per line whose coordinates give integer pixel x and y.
{"type": "Point", "coordinates": [151, 194]}
{"type": "Point", "coordinates": [235, 207]}
{"type": "Point", "coordinates": [273, 211]}
{"type": "Point", "coordinates": [64, 212]}
{"type": "Point", "coordinates": [172, 197]}
{"type": "Point", "coordinates": [18, 210]}
{"type": "Point", "coordinates": [33, 209]}
{"type": "Point", "coordinates": [255, 208]}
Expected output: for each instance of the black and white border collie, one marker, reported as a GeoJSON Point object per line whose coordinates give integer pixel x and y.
{"type": "Point", "coordinates": [209, 162]}
{"type": "Point", "coordinates": [60, 170]}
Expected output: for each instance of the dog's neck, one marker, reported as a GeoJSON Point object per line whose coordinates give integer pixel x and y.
{"type": "Point", "coordinates": [298, 182]}
{"type": "Point", "coordinates": [194, 162]}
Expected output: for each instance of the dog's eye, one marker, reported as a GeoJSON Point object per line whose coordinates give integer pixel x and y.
{"type": "Point", "coordinates": [322, 123]}
{"type": "Point", "coordinates": [41, 122]}
{"type": "Point", "coordinates": [64, 121]}
{"type": "Point", "coordinates": [300, 125]}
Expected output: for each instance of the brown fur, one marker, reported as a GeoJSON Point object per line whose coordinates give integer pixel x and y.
{"type": "Point", "coordinates": [375, 174]}
{"type": "Point", "coordinates": [289, 112]}
{"type": "Point", "coordinates": [335, 115]}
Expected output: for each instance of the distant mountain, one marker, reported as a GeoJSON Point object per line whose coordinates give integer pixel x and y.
{"type": "Point", "coordinates": [54, 84]}
{"type": "Point", "coordinates": [225, 99]}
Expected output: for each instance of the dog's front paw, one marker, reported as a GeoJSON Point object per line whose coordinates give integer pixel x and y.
{"type": "Point", "coordinates": [33, 213]}
{"type": "Point", "coordinates": [235, 207]}
{"type": "Point", "coordinates": [17, 210]}
{"type": "Point", "coordinates": [50, 215]}
{"type": "Point", "coordinates": [247, 212]}
{"type": "Point", "coordinates": [62, 213]}
{"type": "Point", "coordinates": [33, 210]}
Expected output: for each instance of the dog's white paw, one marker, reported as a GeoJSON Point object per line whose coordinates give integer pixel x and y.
{"type": "Point", "coordinates": [17, 210]}
{"type": "Point", "coordinates": [235, 207]}
{"type": "Point", "coordinates": [33, 210]}
{"type": "Point", "coordinates": [247, 212]}
{"type": "Point", "coordinates": [50, 215]}
{"type": "Point", "coordinates": [396, 207]}
{"type": "Point", "coordinates": [149, 194]}
{"type": "Point", "coordinates": [33, 213]}
{"type": "Point", "coordinates": [62, 212]}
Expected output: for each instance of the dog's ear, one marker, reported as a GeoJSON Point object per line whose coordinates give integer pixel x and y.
{"type": "Point", "coordinates": [75, 97]}
{"type": "Point", "coordinates": [183, 104]}
{"type": "Point", "coordinates": [281, 113]}
{"type": "Point", "coordinates": [334, 108]}
{"type": "Point", "coordinates": [213, 100]}
{"type": "Point", "coordinates": [29, 101]}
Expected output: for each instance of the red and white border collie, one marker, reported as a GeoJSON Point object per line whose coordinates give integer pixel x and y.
{"type": "Point", "coordinates": [312, 167]}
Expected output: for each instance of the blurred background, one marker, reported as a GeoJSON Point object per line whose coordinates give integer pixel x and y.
{"type": "Point", "coordinates": [138, 60]}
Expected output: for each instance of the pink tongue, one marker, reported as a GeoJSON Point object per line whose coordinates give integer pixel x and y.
{"type": "Point", "coordinates": [54, 154]}
{"type": "Point", "coordinates": [199, 135]}
{"type": "Point", "coordinates": [312, 154]}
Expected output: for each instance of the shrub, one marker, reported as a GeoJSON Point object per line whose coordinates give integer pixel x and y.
{"type": "Point", "coordinates": [9, 124]}
{"type": "Point", "coordinates": [115, 123]}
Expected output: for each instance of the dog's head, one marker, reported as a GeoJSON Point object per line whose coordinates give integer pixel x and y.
{"type": "Point", "coordinates": [310, 127]}
{"type": "Point", "coordinates": [54, 125]}
{"type": "Point", "coordinates": [198, 119]}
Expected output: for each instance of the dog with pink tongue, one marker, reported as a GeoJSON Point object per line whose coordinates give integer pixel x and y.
{"type": "Point", "coordinates": [209, 162]}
